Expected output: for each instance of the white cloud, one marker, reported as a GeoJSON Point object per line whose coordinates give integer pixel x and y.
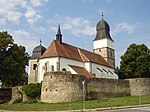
{"type": "Point", "coordinates": [24, 38]}
{"type": "Point", "coordinates": [11, 10]}
{"type": "Point", "coordinates": [14, 16]}
{"type": "Point", "coordinates": [32, 16]}
{"type": "Point", "coordinates": [37, 3]}
{"type": "Point", "coordinates": [2, 22]}
{"type": "Point", "coordinates": [77, 26]}
{"type": "Point", "coordinates": [40, 29]}
{"type": "Point", "coordinates": [124, 27]}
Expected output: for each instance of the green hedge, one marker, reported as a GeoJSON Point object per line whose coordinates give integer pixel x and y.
{"type": "Point", "coordinates": [32, 90]}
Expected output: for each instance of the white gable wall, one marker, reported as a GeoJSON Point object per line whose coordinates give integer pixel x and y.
{"type": "Point", "coordinates": [64, 62]}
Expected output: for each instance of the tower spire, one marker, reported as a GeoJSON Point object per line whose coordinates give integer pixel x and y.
{"type": "Point", "coordinates": [102, 15]}
{"type": "Point", "coordinates": [40, 41]}
{"type": "Point", "coordinates": [59, 35]}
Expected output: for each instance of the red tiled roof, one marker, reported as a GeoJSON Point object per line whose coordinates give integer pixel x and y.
{"type": "Point", "coordinates": [82, 71]}
{"type": "Point", "coordinates": [71, 52]}
{"type": "Point", "coordinates": [62, 50]}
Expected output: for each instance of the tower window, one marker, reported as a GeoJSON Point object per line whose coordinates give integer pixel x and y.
{"type": "Point", "coordinates": [63, 69]}
{"type": "Point", "coordinates": [111, 54]}
{"type": "Point", "coordinates": [34, 66]}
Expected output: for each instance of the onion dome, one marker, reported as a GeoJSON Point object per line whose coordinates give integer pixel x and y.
{"type": "Point", "coordinates": [102, 24]}
{"type": "Point", "coordinates": [102, 29]}
{"type": "Point", "coordinates": [38, 51]}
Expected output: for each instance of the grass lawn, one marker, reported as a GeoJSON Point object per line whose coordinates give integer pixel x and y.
{"type": "Point", "coordinates": [99, 103]}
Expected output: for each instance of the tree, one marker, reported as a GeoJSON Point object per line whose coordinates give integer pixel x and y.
{"type": "Point", "coordinates": [117, 71]}
{"type": "Point", "coordinates": [13, 60]}
{"type": "Point", "coordinates": [135, 63]}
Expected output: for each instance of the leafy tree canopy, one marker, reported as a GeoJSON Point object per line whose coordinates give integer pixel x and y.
{"type": "Point", "coordinates": [135, 63]}
{"type": "Point", "coordinates": [13, 60]}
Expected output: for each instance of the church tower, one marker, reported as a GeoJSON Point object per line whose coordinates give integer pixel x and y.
{"type": "Point", "coordinates": [103, 44]}
{"type": "Point", "coordinates": [33, 63]}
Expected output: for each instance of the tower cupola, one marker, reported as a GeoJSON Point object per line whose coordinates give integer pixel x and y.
{"type": "Point", "coordinates": [38, 51]}
{"type": "Point", "coordinates": [103, 30]}
{"type": "Point", "coordinates": [103, 44]}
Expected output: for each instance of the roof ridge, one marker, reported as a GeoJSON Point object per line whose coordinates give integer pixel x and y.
{"type": "Point", "coordinates": [82, 55]}
{"type": "Point", "coordinates": [56, 47]}
{"type": "Point", "coordinates": [46, 53]}
{"type": "Point", "coordinates": [62, 47]}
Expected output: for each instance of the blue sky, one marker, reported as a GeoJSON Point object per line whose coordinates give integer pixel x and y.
{"type": "Point", "coordinates": [28, 21]}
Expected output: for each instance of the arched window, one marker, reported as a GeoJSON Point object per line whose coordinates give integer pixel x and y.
{"type": "Point", "coordinates": [51, 68]}
{"type": "Point", "coordinates": [45, 67]}
{"type": "Point", "coordinates": [34, 66]}
{"type": "Point", "coordinates": [64, 69]}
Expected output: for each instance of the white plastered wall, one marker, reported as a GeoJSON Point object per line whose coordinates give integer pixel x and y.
{"type": "Point", "coordinates": [103, 43]}
{"type": "Point", "coordinates": [87, 65]}
{"type": "Point", "coordinates": [41, 64]}
{"type": "Point", "coordinates": [64, 62]}
{"type": "Point", "coordinates": [109, 74]}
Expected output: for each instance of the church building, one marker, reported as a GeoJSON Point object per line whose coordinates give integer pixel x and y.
{"type": "Point", "coordinates": [60, 56]}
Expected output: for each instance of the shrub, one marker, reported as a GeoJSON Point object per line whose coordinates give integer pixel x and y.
{"type": "Point", "coordinates": [32, 90]}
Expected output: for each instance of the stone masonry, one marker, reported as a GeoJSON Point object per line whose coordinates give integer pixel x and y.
{"type": "Point", "coordinates": [66, 87]}
{"type": "Point", "coordinates": [139, 86]}
{"type": "Point", "coordinates": [61, 87]}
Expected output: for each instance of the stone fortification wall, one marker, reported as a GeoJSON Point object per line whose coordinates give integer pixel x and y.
{"type": "Point", "coordinates": [139, 86]}
{"type": "Point", "coordinates": [61, 87]}
{"type": "Point", "coordinates": [64, 87]}
{"type": "Point", "coordinates": [99, 88]}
